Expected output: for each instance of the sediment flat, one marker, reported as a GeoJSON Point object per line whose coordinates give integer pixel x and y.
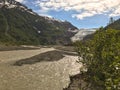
{"type": "Point", "coordinates": [45, 75]}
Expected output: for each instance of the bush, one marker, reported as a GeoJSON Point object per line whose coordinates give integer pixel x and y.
{"type": "Point", "coordinates": [101, 57]}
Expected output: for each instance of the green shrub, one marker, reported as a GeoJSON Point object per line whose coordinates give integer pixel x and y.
{"type": "Point", "coordinates": [101, 57]}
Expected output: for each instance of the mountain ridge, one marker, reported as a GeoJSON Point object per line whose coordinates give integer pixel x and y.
{"type": "Point", "coordinates": [23, 26]}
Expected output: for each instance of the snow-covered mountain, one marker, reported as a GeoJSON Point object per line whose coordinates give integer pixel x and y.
{"type": "Point", "coordinates": [9, 4]}
{"type": "Point", "coordinates": [82, 33]}
{"type": "Point", "coordinates": [14, 4]}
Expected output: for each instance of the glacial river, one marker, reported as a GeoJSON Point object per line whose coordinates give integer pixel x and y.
{"type": "Point", "coordinates": [39, 76]}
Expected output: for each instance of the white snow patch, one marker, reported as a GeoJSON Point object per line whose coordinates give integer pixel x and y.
{"type": "Point", "coordinates": [7, 3]}
{"type": "Point", "coordinates": [52, 19]}
{"type": "Point", "coordinates": [81, 34]}
{"type": "Point", "coordinates": [39, 31]}
{"type": "Point", "coordinates": [31, 12]}
{"type": "Point", "coordinates": [12, 6]}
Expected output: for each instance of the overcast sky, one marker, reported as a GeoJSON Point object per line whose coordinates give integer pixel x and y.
{"type": "Point", "coordinates": [81, 13]}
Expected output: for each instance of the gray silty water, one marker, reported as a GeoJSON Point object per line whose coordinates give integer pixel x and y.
{"type": "Point", "coordinates": [38, 76]}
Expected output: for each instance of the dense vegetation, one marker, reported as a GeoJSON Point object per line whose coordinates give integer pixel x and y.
{"type": "Point", "coordinates": [101, 57]}
{"type": "Point", "coordinates": [18, 26]}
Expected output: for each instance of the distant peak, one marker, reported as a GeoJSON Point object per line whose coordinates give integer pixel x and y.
{"type": "Point", "coordinates": [8, 3]}
{"type": "Point", "coordinates": [14, 4]}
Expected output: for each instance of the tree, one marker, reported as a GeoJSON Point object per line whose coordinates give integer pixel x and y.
{"type": "Point", "coordinates": [111, 20]}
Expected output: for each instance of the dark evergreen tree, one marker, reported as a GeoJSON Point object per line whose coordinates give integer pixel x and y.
{"type": "Point", "coordinates": [111, 20]}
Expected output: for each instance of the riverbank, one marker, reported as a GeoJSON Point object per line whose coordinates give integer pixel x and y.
{"type": "Point", "coordinates": [79, 82]}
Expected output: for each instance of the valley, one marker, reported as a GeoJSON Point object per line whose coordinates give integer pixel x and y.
{"type": "Point", "coordinates": [59, 45]}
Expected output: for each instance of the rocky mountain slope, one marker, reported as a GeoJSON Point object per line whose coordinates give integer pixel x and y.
{"type": "Point", "coordinates": [20, 25]}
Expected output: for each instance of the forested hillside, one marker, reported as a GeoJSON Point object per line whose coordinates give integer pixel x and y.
{"type": "Point", "coordinates": [20, 25]}
{"type": "Point", "coordinates": [114, 25]}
